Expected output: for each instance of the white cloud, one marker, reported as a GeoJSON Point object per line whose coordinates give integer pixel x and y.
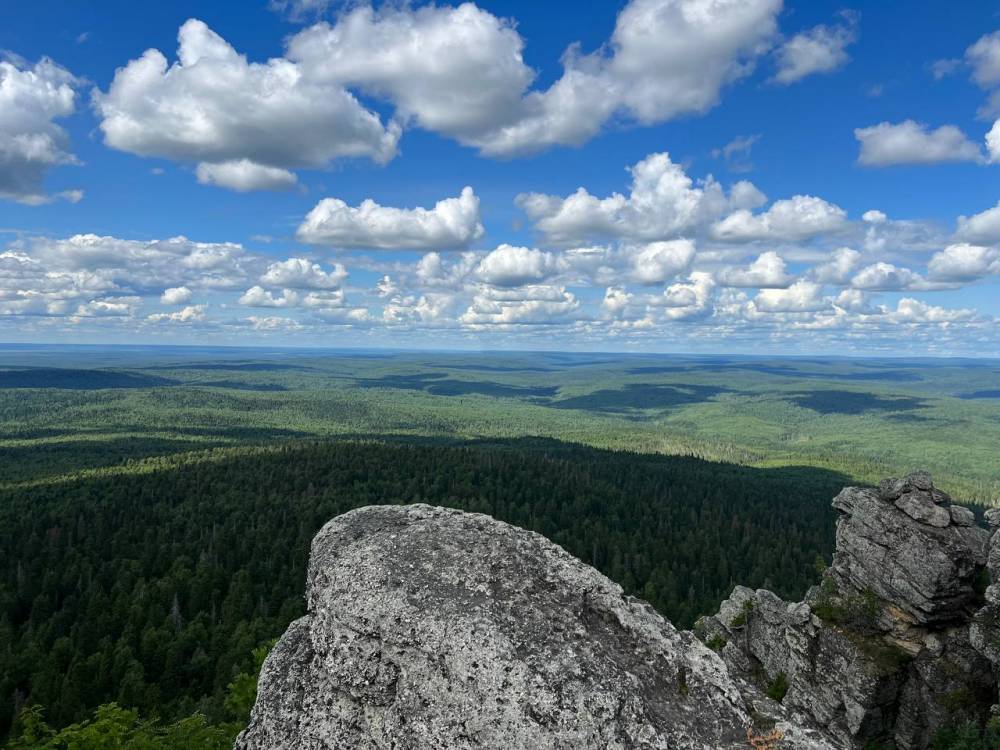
{"type": "Point", "coordinates": [802, 296]}
{"type": "Point", "coordinates": [839, 268]}
{"type": "Point", "coordinates": [257, 296]}
{"type": "Point", "coordinates": [273, 323]}
{"type": "Point", "coordinates": [982, 227]}
{"type": "Point", "coordinates": [456, 71]}
{"type": "Point", "coordinates": [244, 175]}
{"type": "Point", "coordinates": [616, 300]}
{"type": "Point", "coordinates": [300, 273]}
{"type": "Point", "coordinates": [510, 266]}
{"type": "Point", "coordinates": [666, 58]}
{"type": "Point", "coordinates": [386, 287]}
{"type": "Point", "coordinates": [688, 299]}
{"type": "Point", "coordinates": [736, 153]}
{"type": "Point", "coordinates": [993, 143]}
{"type": "Point", "coordinates": [177, 295]}
{"type": "Point", "coordinates": [944, 68]}
{"type": "Point", "coordinates": [460, 71]}
{"type": "Point", "coordinates": [527, 305]}
{"type": "Point", "coordinates": [767, 271]}
{"type": "Point", "coordinates": [31, 97]}
{"type": "Point", "coordinates": [910, 142]}
{"type": "Point", "coordinates": [658, 262]}
{"type": "Point", "coordinates": [964, 262]}
{"type": "Point", "coordinates": [452, 223]}
{"type": "Point", "coordinates": [190, 314]}
{"type": "Point", "coordinates": [663, 203]}
{"type": "Point", "coordinates": [797, 218]}
{"type": "Point", "coordinates": [885, 277]}
{"type": "Point", "coordinates": [913, 311]}
{"type": "Point", "coordinates": [821, 49]}
{"type": "Point", "coordinates": [109, 307]}
{"type": "Point", "coordinates": [874, 216]}
{"type": "Point", "coordinates": [984, 59]}
{"type": "Point", "coordinates": [215, 107]}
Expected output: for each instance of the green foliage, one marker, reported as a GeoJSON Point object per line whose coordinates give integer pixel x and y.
{"type": "Point", "coordinates": [150, 588]}
{"type": "Point", "coordinates": [741, 619]}
{"type": "Point", "coordinates": [113, 727]}
{"type": "Point", "coordinates": [716, 642]}
{"type": "Point", "coordinates": [777, 688]}
{"type": "Point", "coordinates": [969, 737]}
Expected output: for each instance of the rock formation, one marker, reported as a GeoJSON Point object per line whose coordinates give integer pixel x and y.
{"type": "Point", "coordinates": [882, 650]}
{"type": "Point", "coordinates": [438, 629]}
{"type": "Point", "coordinates": [432, 628]}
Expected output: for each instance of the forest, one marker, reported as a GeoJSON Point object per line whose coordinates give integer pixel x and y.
{"type": "Point", "coordinates": [152, 589]}
{"type": "Point", "coordinates": [156, 507]}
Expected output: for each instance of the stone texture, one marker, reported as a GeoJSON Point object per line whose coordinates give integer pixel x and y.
{"type": "Point", "coordinates": [886, 647]}
{"type": "Point", "coordinates": [432, 628]}
{"type": "Point", "coordinates": [916, 558]}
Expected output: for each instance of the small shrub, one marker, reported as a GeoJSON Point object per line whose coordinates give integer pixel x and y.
{"type": "Point", "coordinates": [741, 619]}
{"type": "Point", "coordinates": [716, 642]}
{"type": "Point", "coordinates": [777, 688]}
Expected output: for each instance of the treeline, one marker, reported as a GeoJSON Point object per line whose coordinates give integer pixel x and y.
{"type": "Point", "coordinates": [151, 589]}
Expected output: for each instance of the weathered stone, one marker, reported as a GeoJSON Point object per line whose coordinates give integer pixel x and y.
{"type": "Point", "coordinates": [895, 659]}
{"type": "Point", "coordinates": [927, 571]}
{"type": "Point", "coordinates": [920, 507]}
{"type": "Point", "coordinates": [993, 518]}
{"type": "Point", "coordinates": [433, 628]}
{"type": "Point", "coordinates": [962, 516]}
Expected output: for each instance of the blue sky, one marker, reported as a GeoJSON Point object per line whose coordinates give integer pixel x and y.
{"type": "Point", "coordinates": [215, 191]}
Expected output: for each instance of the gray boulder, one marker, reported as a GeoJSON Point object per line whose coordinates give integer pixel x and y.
{"type": "Point", "coordinates": [432, 628]}
{"type": "Point", "coordinates": [903, 546]}
{"type": "Point", "coordinates": [890, 645]}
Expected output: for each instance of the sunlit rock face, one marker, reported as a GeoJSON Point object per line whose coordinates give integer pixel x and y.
{"type": "Point", "coordinates": [434, 628]}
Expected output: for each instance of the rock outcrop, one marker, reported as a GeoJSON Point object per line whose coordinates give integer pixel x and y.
{"type": "Point", "coordinates": [882, 650]}
{"type": "Point", "coordinates": [430, 628]}
{"type": "Point", "coordinates": [438, 629]}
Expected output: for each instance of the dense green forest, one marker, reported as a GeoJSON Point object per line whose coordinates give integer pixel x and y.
{"type": "Point", "coordinates": [66, 409]}
{"type": "Point", "coordinates": [152, 588]}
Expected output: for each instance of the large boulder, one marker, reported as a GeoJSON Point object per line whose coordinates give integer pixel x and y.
{"type": "Point", "coordinates": [905, 544]}
{"type": "Point", "coordinates": [433, 628]}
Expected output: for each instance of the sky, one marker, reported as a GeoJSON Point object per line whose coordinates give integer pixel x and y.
{"type": "Point", "coordinates": [748, 176]}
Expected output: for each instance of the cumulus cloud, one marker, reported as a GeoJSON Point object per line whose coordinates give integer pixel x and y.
{"type": "Point", "coordinates": [663, 203]}
{"type": "Point", "coordinates": [658, 262]}
{"type": "Point", "coordinates": [767, 271]}
{"type": "Point", "coordinates": [509, 266]}
{"type": "Point", "coordinates": [31, 97]}
{"type": "Point", "coordinates": [687, 299]}
{"type": "Point", "coordinates": [244, 121]}
{"type": "Point", "coordinates": [885, 277]}
{"type": "Point", "coordinates": [797, 218]}
{"type": "Point", "coordinates": [802, 296]}
{"type": "Point", "coordinates": [258, 296]}
{"type": "Point", "coordinates": [244, 176]}
{"type": "Point", "coordinates": [300, 273]}
{"type": "Point", "coordinates": [839, 268]}
{"type": "Point", "coordinates": [964, 262]}
{"type": "Point", "coordinates": [460, 71]}
{"type": "Point", "coordinates": [452, 223]}
{"type": "Point", "coordinates": [538, 304]}
{"type": "Point", "coordinates": [177, 295]}
{"type": "Point", "coordinates": [982, 227]}
{"type": "Point", "coordinates": [910, 142]}
{"type": "Point", "coordinates": [914, 311]}
{"type": "Point", "coordinates": [821, 49]}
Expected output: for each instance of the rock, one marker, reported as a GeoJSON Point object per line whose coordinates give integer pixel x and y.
{"type": "Point", "coordinates": [927, 570]}
{"type": "Point", "coordinates": [993, 518]}
{"type": "Point", "coordinates": [962, 516]}
{"type": "Point", "coordinates": [886, 648]}
{"type": "Point", "coordinates": [921, 507]}
{"type": "Point", "coordinates": [433, 628]}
